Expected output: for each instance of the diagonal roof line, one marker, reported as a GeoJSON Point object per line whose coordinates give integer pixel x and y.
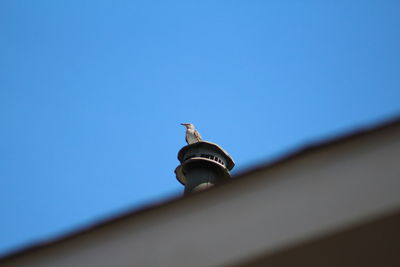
{"type": "Point", "coordinates": [361, 133]}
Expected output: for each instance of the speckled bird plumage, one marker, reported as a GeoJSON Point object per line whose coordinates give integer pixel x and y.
{"type": "Point", "coordinates": [192, 135]}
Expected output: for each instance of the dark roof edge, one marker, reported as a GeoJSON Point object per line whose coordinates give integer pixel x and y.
{"type": "Point", "coordinates": [364, 131]}
{"type": "Point", "coordinates": [325, 143]}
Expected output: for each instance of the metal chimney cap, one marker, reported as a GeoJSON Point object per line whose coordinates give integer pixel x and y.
{"type": "Point", "coordinates": [230, 163]}
{"type": "Point", "coordinates": [181, 169]}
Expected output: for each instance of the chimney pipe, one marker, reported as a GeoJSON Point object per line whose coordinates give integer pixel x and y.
{"type": "Point", "coordinates": [203, 165]}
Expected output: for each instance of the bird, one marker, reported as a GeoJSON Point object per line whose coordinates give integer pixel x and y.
{"type": "Point", "coordinates": [192, 135]}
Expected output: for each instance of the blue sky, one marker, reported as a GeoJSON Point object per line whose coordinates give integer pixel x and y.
{"type": "Point", "coordinates": [92, 94]}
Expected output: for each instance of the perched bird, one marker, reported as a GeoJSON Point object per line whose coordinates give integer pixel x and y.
{"type": "Point", "coordinates": [192, 135]}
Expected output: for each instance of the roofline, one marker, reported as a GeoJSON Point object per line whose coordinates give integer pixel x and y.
{"type": "Point", "coordinates": [361, 132]}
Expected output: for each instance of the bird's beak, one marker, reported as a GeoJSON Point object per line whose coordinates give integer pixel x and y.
{"type": "Point", "coordinates": [184, 124]}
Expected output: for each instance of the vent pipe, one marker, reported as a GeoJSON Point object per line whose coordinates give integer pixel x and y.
{"type": "Point", "coordinates": [203, 164]}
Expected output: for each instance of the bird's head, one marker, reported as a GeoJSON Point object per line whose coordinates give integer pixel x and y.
{"type": "Point", "coordinates": [188, 125]}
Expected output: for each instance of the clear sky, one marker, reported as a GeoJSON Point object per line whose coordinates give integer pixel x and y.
{"type": "Point", "coordinates": [92, 94]}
